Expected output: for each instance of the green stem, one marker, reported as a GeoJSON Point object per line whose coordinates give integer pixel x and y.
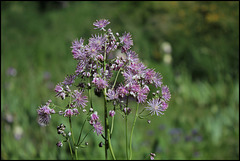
{"type": "Point", "coordinates": [130, 143]}
{"type": "Point", "coordinates": [126, 129]}
{"type": "Point", "coordinates": [81, 132]}
{"type": "Point", "coordinates": [70, 122]}
{"type": "Point", "coordinates": [110, 145]}
{"type": "Point", "coordinates": [90, 93]}
{"type": "Point", "coordinates": [126, 136]}
{"type": "Point", "coordinates": [112, 125]}
{"type": "Point", "coordinates": [86, 136]}
{"type": "Point", "coordinates": [70, 148]}
{"type": "Point", "coordinates": [76, 153]}
{"type": "Point", "coordinates": [112, 122]}
{"type": "Point", "coordinates": [105, 105]}
{"type": "Point", "coordinates": [106, 123]}
{"type": "Point", "coordinates": [116, 79]}
{"type": "Point", "coordinates": [142, 111]}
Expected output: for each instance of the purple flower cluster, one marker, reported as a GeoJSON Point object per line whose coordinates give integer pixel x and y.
{"type": "Point", "coordinates": [44, 114]}
{"type": "Point", "coordinates": [152, 155]}
{"type": "Point", "coordinates": [126, 41]}
{"type": "Point", "coordinates": [100, 62]}
{"type": "Point", "coordinates": [94, 121]}
{"type": "Point", "coordinates": [99, 82]}
{"type": "Point", "coordinates": [62, 90]}
{"type": "Point", "coordinates": [70, 112]}
{"type": "Point", "coordinates": [80, 100]}
{"type": "Point", "coordinates": [100, 24]}
{"type": "Point", "coordinates": [160, 103]}
{"type": "Point", "coordinates": [111, 113]}
{"type": "Point", "coordinates": [137, 77]}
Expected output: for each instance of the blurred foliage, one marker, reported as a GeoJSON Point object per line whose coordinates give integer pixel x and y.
{"type": "Point", "coordinates": [202, 71]}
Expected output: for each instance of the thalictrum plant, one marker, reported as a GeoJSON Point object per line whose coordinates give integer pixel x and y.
{"type": "Point", "coordinates": [99, 64]}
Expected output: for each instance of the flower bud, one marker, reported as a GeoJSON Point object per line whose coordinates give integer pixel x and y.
{"type": "Point", "coordinates": [59, 144]}
{"type": "Point", "coordinates": [152, 155]}
{"type": "Point", "coordinates": [61, 113]}
{"type": "Point", "coordinates": [59, 131]}
{"type": "Point", "coordinates": [111, 113]}
{"type": "Point", "coordinates": [127, 110]}
{"type": "Point", "coordinates": [100, 144]}
{"type": "Point", "coordinates": [91, 110]}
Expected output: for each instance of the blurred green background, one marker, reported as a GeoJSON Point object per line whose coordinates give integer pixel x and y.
{"type": "Point", "coordinates": [194, 45]}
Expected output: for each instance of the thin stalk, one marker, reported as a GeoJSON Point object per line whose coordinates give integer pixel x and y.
{"type": "Point", "coordinates": [112, 125]}
{"type": "Point", "coordinates": [110, 145]}
{"type": "Point", "coordinates": [70, 122]}
{"type": "Point", "coordinates": [76, 153]}
{"type": "Point", "coordinates": [81, 132]}
{"type": "Point", "coordinates": [126, 121]}
{"type": "Point", "coordinates": [126, 129]}
{"type": "Point", "coordinates": [107, 130]}
{"type": "Point", "coordinates": [130, 143]}
{"type": "Point", "coordinates": [86, 136]}
{"type": "Point", "coordinates": [106, 126]}
{"type": "Point", "coordinates": [116, 79]}
{"type": "Point", "coordinates": [105, 105]}
{"type": "Point", "coordinates": [90, 93]}
{"type": "Point", "coordinates": [70, 148]}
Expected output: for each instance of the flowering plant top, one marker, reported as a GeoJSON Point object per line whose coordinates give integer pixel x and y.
{"type": "Point", "coordinates": [100, 62]}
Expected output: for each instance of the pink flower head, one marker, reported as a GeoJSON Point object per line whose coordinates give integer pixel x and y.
{"type": "Point", "coordinates": [134, 89]}
{"type": "Point", "coordinates": [69, 80]}
{"type": "Point", "coordinates": [111, 113]}
{"type": "Point", "coordinates": [75, 111]}
{"type": "Point", "coordinates": [156, 106]}
{"type": "Point", "coordinates": [132, 56]}
{"type": "Point", "coordinates": [122, 91]}
{"type": "Point", "coordinates": [166, 93]}
{"type": "Point", "coordinates": [76, 45]}
{"type": "Point", "coordinates": [141, 97]}
{"type": "Point", "coordinates": [97, 41]}
{"type": "Point", "coordinates": [44, 114]}
{"type": "Point", "coordinates": [98, 128]}
{"type": "Point", "coordinates": [60, 91]}
{"type": "Point", "coordinates": [100, 57]}
{"type": "Point", "coordinates": [45, 110]}
{"type": "Point", "coordinates": [111, 95]}
{"type": "Point", "coordinates": [164, 105]}
{"type": "Point", "coordinates": [58, 88]}
{"type": "Point", "coordinates": [100, 24]}
{"type": "Point", "coordinates": [80, 100]}
{"type": "Point", "coordinates": [78, 51]}
{"type": "Point", "coordinates": [152, 155]}
{"type": "Point", "coordinates": [157, 79]}
{"type": "Point", "coordinates": [100, 83]}
{"type": "Point", "coordinates": [150, 75]}
{"type": "Point", "coordinates": [92, 51]}
{"type": "Point", "coordinates": [68, 113]}
{"type": "Point", "coordinates": [94, 116]}
{"type": "Point", "coordinates": [127, 41]}
{"type": "Point", "coordinates": [59, 144]}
